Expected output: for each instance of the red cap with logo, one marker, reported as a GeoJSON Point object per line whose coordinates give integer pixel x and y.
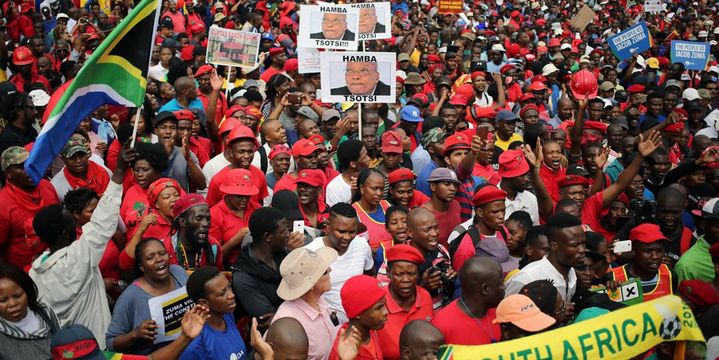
{"type": "Point", "coordinates": [312, 177]}
{"type": "Point", "coordinates": [647, 233]}
{"type": "Point", "coordinates": [242, 132]}
{"type": "Point", "coordinates": [391, 142]}
{"type": "Point", "coordinates": [456, 141]}
{"type": "Point", "coordinates": [401, 174]}
{"type": "Point", "coordinates": [512, 164]}
{"type": "Point", "coordinates": [239, 182]}
{"type": "Point", "coordinates": [304, 147]}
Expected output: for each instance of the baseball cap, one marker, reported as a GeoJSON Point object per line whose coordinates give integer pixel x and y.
{"type": "Point", "coordinates": [14, 155]}
{"type": "Point", "coordinates": [307, 112]}
{"type": "Point", "coordinates": [302, 269]}
{"type": "Point", "coordinates": [549, 69]}
{"type": "Point", "coordinates": [402, 57]}
{"type": "Point", "coordinates": [304, 147]}
{"type": "Point", "coordinates": [443, 174]}
{"type": "Point", "coordinates": [75, 342]}
{"type": "Point", "coordinates": [410, 113]}
{"type": "Point", "coordinates": [709, 210]}
{"type": "Point", "coordinates": [432, 136]}
{"type": "Point", "coordinates": [75, 145]}
{"type": "Point", "coordinates": [690, 94]}
{"type": "Point", "coordinates": [498, 47]}
{"type": "Point", "coordinates": [606, 86]}
{"type": "Point", "coordinates": [456, 141]}
{"type": "Point", "coordinates": [162, 116]}
{"type": "Point", "coordinates": [497, 250]}
{"type": "Point", "coordinates": [330, 114]}
{"type": "Point", "coordinates": [288, 202]}
{"type": "Point", "coordinates": [312, 177]}
{"type": "Point", "coordinates": [506, 115]}
{"type": "Point", "coordinates": [512, 164]}
{"type": "Point", "coordinates": [239, 182]}
{"type": "Point", "coordinates": [647, 233]}
{"type": "Point", "coordinates": [391, 142]}
{"type": "Point", "coordinates": [521, 311]}
{"type": "Point", "coordinates": [39, 97]}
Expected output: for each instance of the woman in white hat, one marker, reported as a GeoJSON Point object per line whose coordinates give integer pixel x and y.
{"type": "Point", "coordinates": [305, 277]}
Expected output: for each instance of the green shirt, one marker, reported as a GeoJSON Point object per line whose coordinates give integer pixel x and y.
{"type": "Point", "coordinates": [696, 263]}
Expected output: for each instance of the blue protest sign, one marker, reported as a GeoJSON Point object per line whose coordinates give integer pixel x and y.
{"type": "Point", "coordinates": [694, 55]}
{"type": "Point", "coordinates": [633, 40]}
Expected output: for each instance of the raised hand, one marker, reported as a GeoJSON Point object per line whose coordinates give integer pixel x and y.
{"type": "Point", "coordinates": [194, 320]}
{"type": "Point", "coordinates": [258, 343]}
{"type": "Point", "coordinates": [647, 146]}
{"type": "Point", "coordinates": [349, 343]}
{"type": "Point", "coordinates": [216, 81]}
{"type": "Point", "coordinates": [602, 158]}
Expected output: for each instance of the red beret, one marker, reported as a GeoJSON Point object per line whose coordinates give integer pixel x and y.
{"type": "Point", "coordinates": [360, 293]}
{"type": "Point", "coordinates": [488, 194]}
{"type": "Point", "coordinates": [401, 174]}
{"type": "Point", "coordinates": [647, 233]}
{"type": "Point", "coordinates": [484, 112]}
{"type": "Point", "coordinates": [235, 108]}
{"type": "Point", "coordinates": [676, 128]}
{"type": "Point", "coordinates": [312, 177]}
{"type": "Point", "coordinates": [276, 51]}
{"type": "Point", "coordinates": [318, 140]}
{"type": "Point", "coordinates": [279, 149]}
{"type": "Point", "coordinates": [186, 202]}
{"type": "Point", "coordinates": [595, 125]}
{"type": "Point", "coordinates": [635, 89]}
{"type": "Point", "coordinates": [291, 65]}
{"type": "Point", "coordinates": [434, 59]}
{"type": "Point", "coordinates": [477, 74]}
{"type": "Point", "coordinates": [458, 100]}
{"type": "Point", "coordinates": [681, 111]}
{"type": "Point", "coordinates": [699, 293]}
{"type": "Point", "coordinates": [527, 108]}
{"type": "Point", "coordinates": [204, 69]}
{"type": "Point", "coordinates": [526, 96]}
{"type": "Point", "coordinates": [571, 180]}
{"type": "Point", "coordinates": [184, 114]}
{"type": "Point", "coordinates": [253, 111]}
{"type": "Point", "coordinates": [404, 252]}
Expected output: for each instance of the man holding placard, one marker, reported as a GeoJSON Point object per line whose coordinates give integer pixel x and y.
{"type": "Point", "coordinates": [334, 27]}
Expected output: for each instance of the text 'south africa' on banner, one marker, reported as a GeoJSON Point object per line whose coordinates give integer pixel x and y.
{"type": "Point", "coordinates": [621, 334]}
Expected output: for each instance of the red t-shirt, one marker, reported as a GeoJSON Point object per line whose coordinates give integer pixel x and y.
{"type": "Point", "coordinates": [368, 351]}
{"type": "Point", "coordinates": [418, 199]}
{"type": "Point", "coordinates": [221, 106]}
{"type": "Point", "coordinates": [199, 150]}
{"type": "Point", "coordinates": [592, 210]}
{"type": "Point", "coordinates": [178, 21]}
{"type": "Point", "coordinates": [466, 249]}
{"type": "Point", "coordinates": [269, 73]}
{"type": "Point", "coordinates": [18, 243]}
{"type": "Point", "coordinates": [549, 177]}
{"type": "Point", "coordinates": [448, 220]}
{"type": "Point", "coordinates": [214, 195]}
{"type": "Point", "coordinates": [398, 317]}
{"type": "Point", "coordinates": [460, 329]}
{"type": "Point", "coordinates": [487, 172]}
{"type": "Point", "coordinates": [225, 224]}
{"type": "Point", "coordinates": [134, 207]}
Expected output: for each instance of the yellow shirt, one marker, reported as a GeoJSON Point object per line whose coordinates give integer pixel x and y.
{"type": "Point", "coordinates": [505, 144]}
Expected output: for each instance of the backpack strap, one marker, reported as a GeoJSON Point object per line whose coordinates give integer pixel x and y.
{"type": "Point", "coordinates": [263, 159]}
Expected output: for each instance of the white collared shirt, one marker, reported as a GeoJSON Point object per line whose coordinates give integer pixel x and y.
{"type": "Point", "coordinates": [524, 201]}
{"type": "Point", "coordinates": [543, 270]}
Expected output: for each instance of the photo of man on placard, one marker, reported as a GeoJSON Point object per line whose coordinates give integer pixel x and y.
{"type": "Point", "coordinates": [368, 23]}
{"type": "Point", "coordinates": [334, 27]}
{"type": "Point", "coordinates": [362, 78]}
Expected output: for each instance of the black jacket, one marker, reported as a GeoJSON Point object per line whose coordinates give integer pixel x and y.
{"type": "Point", "coordinates": [255, 283]}
{"type": "Point", "coordinates": [381, 89]}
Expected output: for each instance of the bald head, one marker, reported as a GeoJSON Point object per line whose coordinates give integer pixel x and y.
{"type": "Point", "coordinates": [183, 83]}
{"type": "Point", "coordinates": [419, 339]}
{"type": "Point", "coordinates": [288, 339]}
{"type": "Point", "coordinates": [477, 272]}
{"type": "Point", "coordinates": [418, 216]}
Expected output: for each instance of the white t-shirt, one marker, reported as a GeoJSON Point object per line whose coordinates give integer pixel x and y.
{"type": "Point", "coordinates": [543, 270]}
{"type": "Point", "coordinates": [338, 191]}
{"type": "Point", "coordinates": [158, 72]}
{"type": "Point", "coordinates": [355, 261]}
{"type": "Point", "coordinates": [214, 165]}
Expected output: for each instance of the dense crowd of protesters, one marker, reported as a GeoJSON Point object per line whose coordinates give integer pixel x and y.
{"type": "Point", "coordinates": [521, 166]}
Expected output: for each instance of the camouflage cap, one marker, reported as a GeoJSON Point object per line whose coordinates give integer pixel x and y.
{"type": "Point", "coordinates": [14, 155]}
{"type": "Point", "coordinates": [432, 136]}
{"type": "Point", "coordinates": [75, 145]}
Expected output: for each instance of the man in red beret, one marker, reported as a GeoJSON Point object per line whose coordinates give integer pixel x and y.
{"type": "Point", "coordinates": [488, 226]}
{"type": "Point", "coordinates": [364, 301]}
{"type": "Point", "coordinates": [402, 191]}
{"type": "Point", "coordinates": [277, 64]}
{"type": "Point", "coordinates": [406, 301]}
{"type": "Point", "coordinates": [646, 264]}
{"type": "Point", "coordinates": [190, 244]}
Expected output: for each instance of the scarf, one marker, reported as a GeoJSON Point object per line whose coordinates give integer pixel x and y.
{"type": "Point", "coordinates": [31, 201]}
{"type": "Point", "coordinates": [48, 326]}
{"type": "Point", "coordinates": [96, 178]}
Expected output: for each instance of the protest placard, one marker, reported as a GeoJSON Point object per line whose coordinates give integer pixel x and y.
{"type": "Point", "coordinates": [232, 47]}
{"type": "Point", "coordinates": [633, 40]}
{"type": "Point", "coordinates": [375, 20]}
{"type": "Point", "coordinates": [620, 334]}
{"type": "Point", "coordinates": [653, 6]}
{"type": "Point", "coordinates": [329, 27]}
{"type": "Point", "coordinates": [308, 60]}
{"type": "Point", "coordinates": [450, 6]}
{"type": "Point", "coordinates": [167, 311]}
{"type": "Point", "coordinates": [583, 18]}
{"type": "Point", "coordinates": [365, 77]}
{"type": "Point", "coordinates": [693, 54]}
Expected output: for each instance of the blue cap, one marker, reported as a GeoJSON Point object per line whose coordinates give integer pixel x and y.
{"type": "Point", "coordinates": [506, 115]}
{"type": "Point", "coordinates": [410, 113]}
{"type": "Point", "coordinates": [268, 36]}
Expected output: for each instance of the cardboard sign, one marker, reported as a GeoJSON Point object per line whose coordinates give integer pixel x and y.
{"type": "Point", "coordinates": [583, 18]}
{"type": "Point", "coordinates": [628, 292]}
{"type": "Point", "coordinates": [693, 54]}
{"type": "Point", "coordinates": [167, 311]}
{"type": "Point", "coordinates": [232, 47]}
{"type": "Point", "coordinates": [450, 6]}
{"type": "Point", "coordinates": [653, 6]}
{"type": "Point", "coordinates": [308, 60]}
{"type": "Point", "coordinates": [365, 77]}
{"type": "Point", "coordinates": [375, 20]}
{"type": "Point", "coordinates": [633, 40]}
{"type": "Point", "coordinates": [329, 27]}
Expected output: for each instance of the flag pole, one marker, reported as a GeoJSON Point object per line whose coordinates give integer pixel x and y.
{"type": "Point", "coordinates": [135, 125]}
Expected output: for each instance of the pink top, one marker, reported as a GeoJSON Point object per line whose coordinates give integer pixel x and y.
{"type": "Point", "coordinates": [317, 325]}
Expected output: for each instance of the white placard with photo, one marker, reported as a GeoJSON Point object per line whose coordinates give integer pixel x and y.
{"type": "Point", "coordinates": [375, 20]}
{"type": "Point", "coordinates": [328, 27]}
{"type": "Point", "coordinates": [308, 60]}
{"type": "Point", "coordinates": [365, 77]}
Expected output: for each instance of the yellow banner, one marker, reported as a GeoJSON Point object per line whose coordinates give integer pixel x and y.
{"type": "Point", "coordinates": [621, 334]}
